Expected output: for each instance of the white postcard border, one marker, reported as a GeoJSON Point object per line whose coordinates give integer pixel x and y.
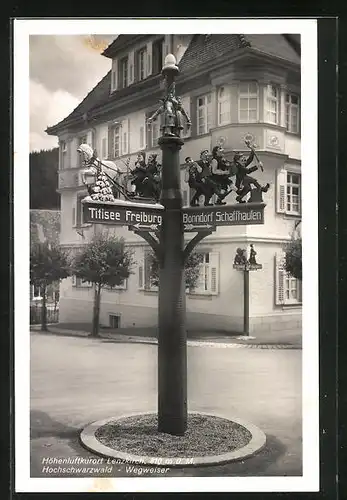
{"type": "Point", "coordinates": [307, 28]}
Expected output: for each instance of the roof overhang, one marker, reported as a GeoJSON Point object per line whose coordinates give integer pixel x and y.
{"type": "Point", "coordinates": [121, 43]}
{"type": "Point", "coordinates": [154, 90]}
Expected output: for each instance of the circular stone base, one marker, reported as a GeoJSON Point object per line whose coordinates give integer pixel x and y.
{"type": "Point", "coordinates": [245, 440]}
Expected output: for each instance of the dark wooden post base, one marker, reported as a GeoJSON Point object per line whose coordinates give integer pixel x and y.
{"type": "Point", "coordinates": [172, 338]}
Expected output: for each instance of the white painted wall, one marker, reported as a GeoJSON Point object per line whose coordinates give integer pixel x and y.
{"type": "Point", "coordinates": [138, 307]}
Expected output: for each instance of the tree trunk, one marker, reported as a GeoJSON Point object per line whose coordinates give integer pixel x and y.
{"type": "Point", "coordinates": [96, 310]}
{"type": "Point", "coordinates": [44, 310]}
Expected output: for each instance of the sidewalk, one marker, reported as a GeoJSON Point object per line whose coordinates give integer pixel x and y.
{"type": "Point", "coordinates": [149, 336]}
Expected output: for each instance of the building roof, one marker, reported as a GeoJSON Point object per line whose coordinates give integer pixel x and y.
{"type": "Point", "coordinates": [121, 42]}
{"type": "Point", "coordinates": [202, 51]}
{"type": "Point", "coordinates": [276, 45]}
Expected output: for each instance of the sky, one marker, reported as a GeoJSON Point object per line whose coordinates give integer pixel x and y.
{"type": "Point", "coordinates": [63, 70]}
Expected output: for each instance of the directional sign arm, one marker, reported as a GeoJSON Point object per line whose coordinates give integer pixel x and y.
{"type": "Point", "coordinates": [193, 242]}
{"type": "Point", "coordinates": [153, 242]}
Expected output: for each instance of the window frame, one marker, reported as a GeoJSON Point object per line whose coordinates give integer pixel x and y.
{"type": "Point", "coordinates": [271, 99]}
{"type": "Point", "coordinates": [289, 106]}
{"type": "Point", "coordinates": [207, 108]}
{"type": "Point", "coordinates": [282, 191]}
{"type": "Point", "coordinates": [159, 62]}
{"type": "Point", "coordinates": [116, 128]}
{"type": "Point", "coordinates": [77, 211]}
{"type": "Point", "coordinates": [293, 185]}
{"type": "Point", "coordinates": [143, 51]}
{"type": "Point", "coordinates": [124, 71]}
{"type": "Point", "coordinates": [144, 274]}
{"type": "Point", "coordinates": [282, 279]}
{"type": "Point", "coordinates": [148, 132]}
{"type": "Point", "coordinates": [248, 96]}
{"type": "Point", "coordinates": [207, 268]}
{"type": "Point", "coordinates": [63, 155]}
{"type": "Point", "coordinates": [222, 101]}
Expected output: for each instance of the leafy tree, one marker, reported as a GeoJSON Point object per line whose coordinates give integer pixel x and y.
{"type": "Point", "coordinates": [104, 261]}
{"type": "Point", "coordinates": [43, 167]}
{"type": "Point", "coordinates": [192, 269]}
{"type": "Point", "coordinates": [45, 225]}
{"type": "Point", "coordinates": [48, 264]}
{"type": "Point", "coordinates": [293, 258]}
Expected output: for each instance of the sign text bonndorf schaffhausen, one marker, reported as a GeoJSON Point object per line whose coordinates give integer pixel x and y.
{"type": "Point", "coordinates": [149, 218]}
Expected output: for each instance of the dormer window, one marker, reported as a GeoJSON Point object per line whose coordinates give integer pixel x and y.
{"type": "Point", "coordinates": [141, 64]}
{"type": "Point", "coordinates": [158, 55]}
{"type": "Point", "coordinates": [124, 72]}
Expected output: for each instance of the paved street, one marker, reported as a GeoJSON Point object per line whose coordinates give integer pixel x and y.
{"type": "Point", "coordinates": [75, 381]}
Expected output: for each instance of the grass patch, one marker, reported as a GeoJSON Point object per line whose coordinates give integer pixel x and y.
{"type": "Point", "coordinates": [205, 435]}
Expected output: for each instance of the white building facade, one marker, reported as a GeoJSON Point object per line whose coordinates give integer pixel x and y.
{"type": "Point", "coordinates": [233, 87]}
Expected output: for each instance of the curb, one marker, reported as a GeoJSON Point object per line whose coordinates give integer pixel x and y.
{"type": "Point", "coordinates": [152, 340]}
{"type": "Point", "coordinates": [257, 442]}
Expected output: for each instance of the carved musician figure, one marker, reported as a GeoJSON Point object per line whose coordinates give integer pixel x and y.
{"type": "Point", "coordinates": [171, 113]}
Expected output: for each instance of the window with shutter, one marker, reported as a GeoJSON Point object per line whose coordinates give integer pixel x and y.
{"type": "Point", "coordinates": [153, 131]}
{"type": "Point", "coordinates": [114, 141]}
{"type": "Point", "coordinates": [131, 71]}
{"type": "Point", "coordinates": [292, 113]}
{"type": "Point", "coordinates": [157, 56]}
{"type": "Point", "coordinates": [125, 137]}
{"type": "Point", "coordinates": [186, 105]}
{"type": "Point", "coordinates": [288, 289]}
{"type": "Point", "coordinates": [204, 113]}
{"type": "Point", "coordinates": [141, 62]}
{"type": "Point", "coordinates": [124, 73]}
{"type": "Point", "coordinates": [208, 282]}
{"type": "Point", "coordinates": [166, 46]}
{"type": "Point", "coordinates": [288, 192]}
{"type": "Point", "coordinates": [149, 60]}
{"type": "Point", "coordinates": [145, 272]}
{"type": "Point", "coordinates": [281, 190]}
{"type": "Point", "coordinates": [214, 273]}
{"type": "Point", "coordinates": [280, 272]}
{"type": "Point", "coordinates": [114, 75]}
{"type": "Point", "coordinates": [293, 196]}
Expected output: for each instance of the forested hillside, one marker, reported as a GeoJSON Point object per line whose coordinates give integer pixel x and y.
{"type": "Point", "coordinates": [44, 179]}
